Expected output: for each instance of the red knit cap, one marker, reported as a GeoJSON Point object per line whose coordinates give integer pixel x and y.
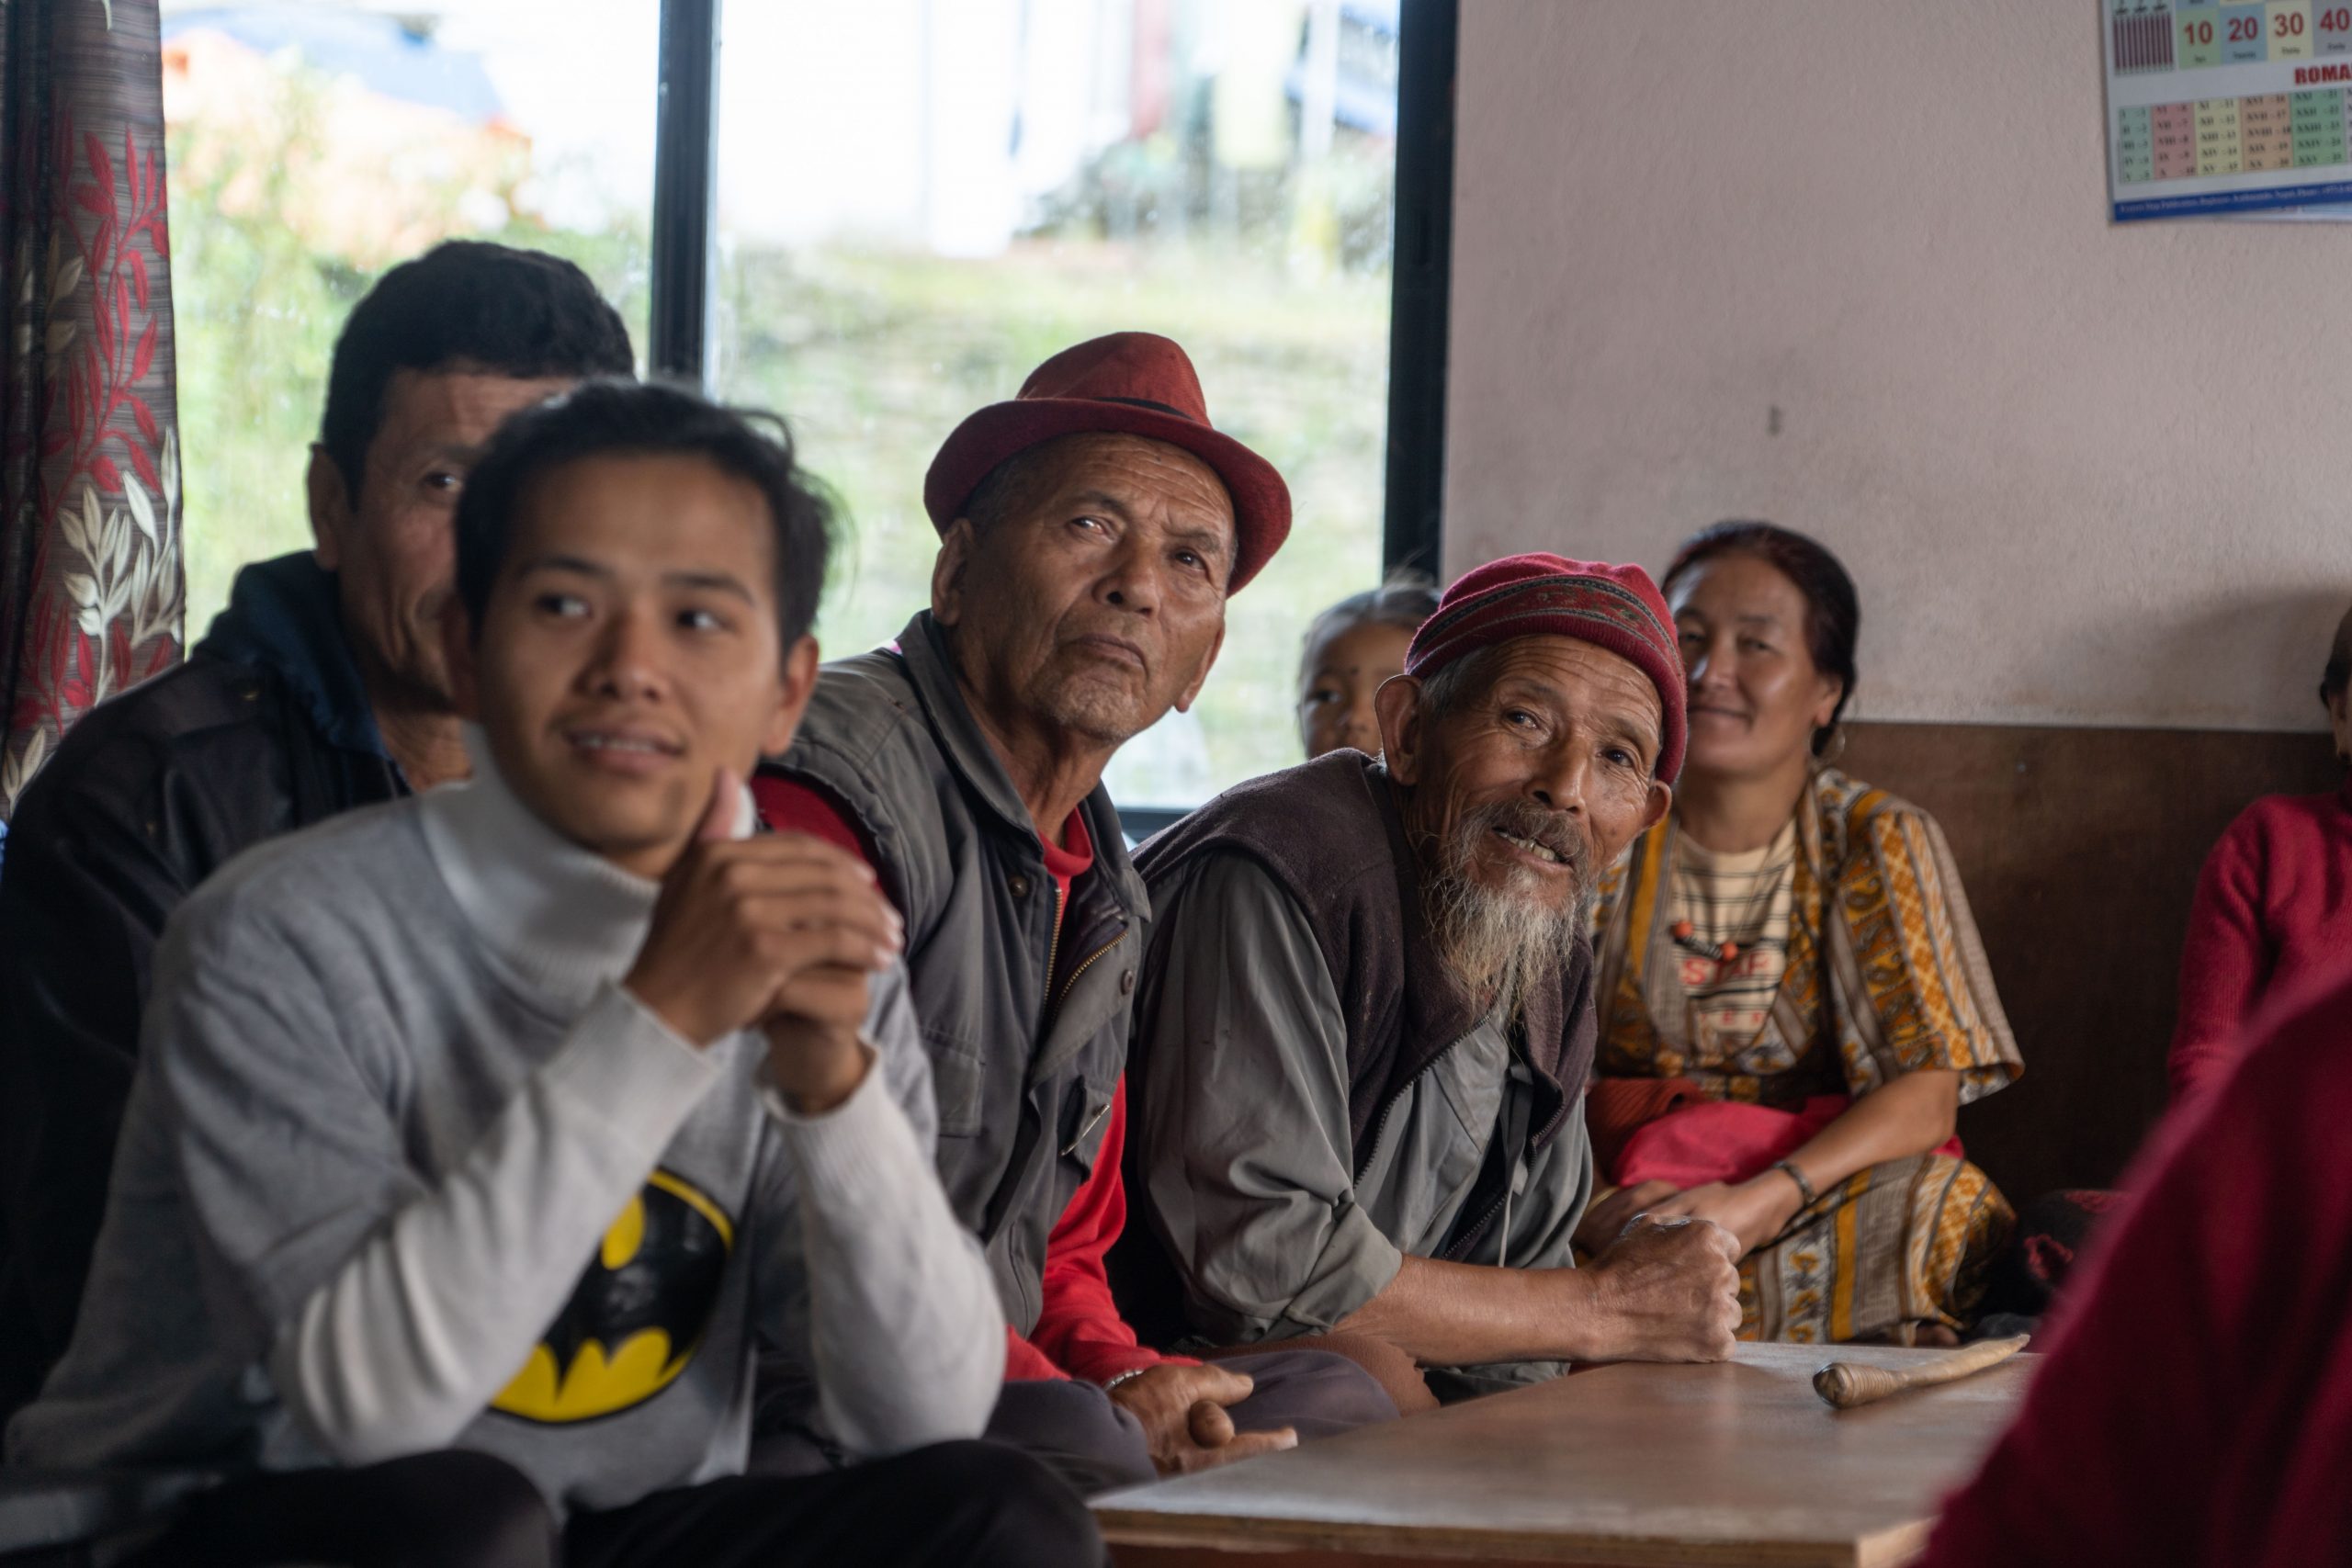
{"type": "Point", "coordinates": [1615, 608]}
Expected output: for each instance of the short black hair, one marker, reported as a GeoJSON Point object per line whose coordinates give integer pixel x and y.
{"type": "Point", "coordinates": [465, 304]}
{"type": "Point", "coordinates": [1833, 609]}
{"type": "Point", "coordinates": [614, 418]}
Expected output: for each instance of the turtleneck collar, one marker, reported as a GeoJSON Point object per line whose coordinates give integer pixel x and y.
{"type": "Point", "coordinates": [564, 918]}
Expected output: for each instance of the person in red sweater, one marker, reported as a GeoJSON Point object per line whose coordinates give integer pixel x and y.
{"type": "Point", "coordinates": [2274, 905]}
{"type": "Point", "coordinates": [2195, 1406]}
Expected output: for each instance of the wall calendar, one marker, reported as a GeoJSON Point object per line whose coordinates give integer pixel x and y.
{"type": "Point", "coordinates": [2221, 107]}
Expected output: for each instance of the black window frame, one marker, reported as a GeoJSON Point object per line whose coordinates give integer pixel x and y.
{"type": "Point", "coordinates": [685, 192]}
{"type": "Point", "coordinates": [1421, 285]}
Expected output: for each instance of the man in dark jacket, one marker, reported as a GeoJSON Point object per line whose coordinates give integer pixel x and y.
{"type": "Point", "coordinates": [1091, 530]}
{"type": "Point", "coordinates": [320, 688]}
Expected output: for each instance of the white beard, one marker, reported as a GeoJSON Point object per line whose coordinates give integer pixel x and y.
{"type": "Point", "coordinates": [1502, 942]}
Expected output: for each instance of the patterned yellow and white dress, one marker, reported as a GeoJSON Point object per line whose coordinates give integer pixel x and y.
{"type": "Point", "coordinates": [1880, 973]}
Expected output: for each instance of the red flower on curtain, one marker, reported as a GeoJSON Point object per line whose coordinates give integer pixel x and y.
{"type": "Point", "coordinates": [90, 594]}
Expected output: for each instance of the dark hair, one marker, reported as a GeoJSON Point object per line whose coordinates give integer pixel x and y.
{"type": "Point", "coordinates": [603, 419]}
{"type": "Point", "coordinates": [469, 305]}
{"type": "Point", "coordinates": [1833, 611]}
{"type": "Point", "coordinates": [1405, 599]}
{"type": "Point", "coordinates": [2338, 676]}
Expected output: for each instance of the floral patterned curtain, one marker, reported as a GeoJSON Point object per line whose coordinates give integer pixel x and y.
{"type": "Point", "coordinates": [90, 578]}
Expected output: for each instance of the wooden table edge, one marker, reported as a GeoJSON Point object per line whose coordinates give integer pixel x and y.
{"type": "Point", "coordinates": [1888, 1547]}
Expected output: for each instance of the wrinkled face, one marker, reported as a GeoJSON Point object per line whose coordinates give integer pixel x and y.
{"type": "Point", "coordinates": [393, 550]}
{"type": "Point", "coordinates": [1343, 670]}
{"type": "Point", "coordinates": [1756, 695]}
{"type": "Point", "coordinates": [1539, 774]}
{"type": "Point", "coordinates": [629, 650]}
{"type": "Point", "coordinates": [1099, 603]}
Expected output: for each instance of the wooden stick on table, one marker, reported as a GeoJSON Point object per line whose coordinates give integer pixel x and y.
{"type": "Point", "coordinates": [1846, 1384]}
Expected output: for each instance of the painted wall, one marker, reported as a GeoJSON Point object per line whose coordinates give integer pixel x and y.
{"type": "Point", "coordinates": [1845, 264]}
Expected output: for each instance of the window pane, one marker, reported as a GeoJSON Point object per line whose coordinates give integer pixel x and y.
{"type": "Point", "coordinates": [920, 201]}
{"type": "Point", "coordinates": [311, 147]}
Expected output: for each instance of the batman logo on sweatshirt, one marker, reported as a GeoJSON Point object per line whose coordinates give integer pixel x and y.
{"type": "Point", "coordinates": [638, 1313]}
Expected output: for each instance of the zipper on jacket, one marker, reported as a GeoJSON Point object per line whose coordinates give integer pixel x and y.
{"type": "Point", "coordinates": [1084, 966]}
{"type": "Point", "coordinates": [1471, 1238]}
{"type": "Point", "coordinates": [1380, 1128]}
{"type": "Point", "coordinates": [1388, 1106]}
{"type": "Point", "coordinates": [1053, 942]}
{"type": "Point", "coordinates": [1055, 1007]}
{"type": "Point", "coordinates": [1056, 996]}
{"type": "Point", "coordinates": [1526, 1142]}
{"type": "Point", "coordinates": [1092, 1122]}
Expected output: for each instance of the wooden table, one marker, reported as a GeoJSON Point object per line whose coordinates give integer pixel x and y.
{"type": "Point", "coordinates": [1640, 1466]}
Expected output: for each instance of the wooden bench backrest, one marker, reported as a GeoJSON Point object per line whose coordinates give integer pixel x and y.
{"type": "Point", "coordinates": [2080, 849]}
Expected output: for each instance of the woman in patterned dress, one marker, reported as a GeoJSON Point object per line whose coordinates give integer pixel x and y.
{"type": "Point", "coordinates": [1793, 1001]}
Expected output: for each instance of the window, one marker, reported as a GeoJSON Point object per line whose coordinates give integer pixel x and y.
{"type": "Point", "coordinates": [920, 201]}
{"type": "Point", "coordinates": [311, 146]}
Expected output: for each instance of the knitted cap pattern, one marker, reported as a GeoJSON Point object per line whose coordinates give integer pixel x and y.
{"type": "Point", "coordinates": [1539, 594]}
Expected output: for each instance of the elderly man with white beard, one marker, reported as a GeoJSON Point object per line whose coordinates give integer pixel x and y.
{"type": "Point", "coordinates": [1366, 1016]}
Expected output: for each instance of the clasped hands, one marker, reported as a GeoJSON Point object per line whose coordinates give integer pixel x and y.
{"type": "Point", "coordinates": [1185, 1424]}
{"type": "Point", "coordinates": [782, 931]}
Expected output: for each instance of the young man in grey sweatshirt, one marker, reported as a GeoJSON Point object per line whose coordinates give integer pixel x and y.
{"type": "Point", "coordinates": [483, 1139]}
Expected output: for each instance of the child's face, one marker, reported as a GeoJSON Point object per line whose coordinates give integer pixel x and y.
{"type": "Point", "coordinates": [631, 651]}
{"type": "Point", "coordinates": [1343, 670]}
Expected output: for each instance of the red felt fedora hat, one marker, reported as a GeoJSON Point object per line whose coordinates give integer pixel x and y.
{"type": "Point", "coordinates": [1129, 384]}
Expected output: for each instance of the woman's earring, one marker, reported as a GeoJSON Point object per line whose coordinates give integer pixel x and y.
{"type": "Point", "coordinates": [1835, 749]}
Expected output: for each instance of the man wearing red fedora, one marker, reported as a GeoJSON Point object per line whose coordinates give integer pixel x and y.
{"type": "Point", "coordinates": [1366, 1015]}
{"type": "Point", "coordinates": [1091, 530]}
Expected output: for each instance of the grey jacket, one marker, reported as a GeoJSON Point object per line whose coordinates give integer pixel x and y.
{"type": "Point", "coordinates": [1024, 1079]}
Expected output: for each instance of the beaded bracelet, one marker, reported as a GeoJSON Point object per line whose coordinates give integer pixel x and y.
{"type": "Point", "coordinates": [1804, 1188]}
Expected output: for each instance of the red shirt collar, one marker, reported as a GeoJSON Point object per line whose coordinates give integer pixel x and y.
{"type": "Point", "coordinates": [1076, 858]}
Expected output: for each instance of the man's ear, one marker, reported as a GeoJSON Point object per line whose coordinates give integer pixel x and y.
{"type": "Point", "coordinates": [1660, 802]}
{"type": "Point", "coordinates": [955, 547]}
{"type": "Point", "coordinates": [1192, 691]}
{"type": "Point", "coordinates": [458, 657]}
{"type": "Point", "coordinates": [329, 500]}
{"type": "Point", "coordinates": [799, 685]}
{"type": "Point", "coordinates": [1403, 727]}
